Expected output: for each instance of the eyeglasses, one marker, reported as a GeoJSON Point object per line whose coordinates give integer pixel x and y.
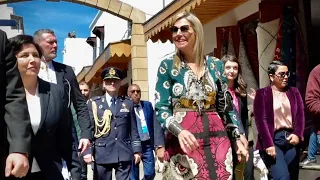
{"type": "Point", "coordinates": [133, 91]}
{"type": "Point", "coordinates": [283, 74]}
{"type": "Point", "coordinates": [183, 29]}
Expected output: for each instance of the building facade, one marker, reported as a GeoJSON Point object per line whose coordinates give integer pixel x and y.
{"type": "Point", "coordinates": [77, 53]}
{"type": "Point", "coordinates": [9, 22]}
{"type": "Point", "coordinates": [112, 45]}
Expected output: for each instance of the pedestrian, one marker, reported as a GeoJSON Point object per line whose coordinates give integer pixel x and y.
{"type": "Point", "coordinates": [15, 126]}
{"type": "Point", "coordinates": [116, 137]}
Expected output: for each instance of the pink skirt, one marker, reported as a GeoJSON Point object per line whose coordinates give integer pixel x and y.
{"type": "Point", "coordinates": [211, 161]}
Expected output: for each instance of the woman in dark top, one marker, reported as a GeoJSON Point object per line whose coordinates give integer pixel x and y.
{"type": "Point", "coordinates": [52, 138]}
{"type": "Point", "coordinates": [237, 87]}
{"type": "Point", "coordinates": [279, 116]}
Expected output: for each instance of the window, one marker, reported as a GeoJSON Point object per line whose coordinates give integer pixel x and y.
{"type": "Point", "coordinates": [129, 29]}
{"type": "Point", "coordinates": [92, 41]}
{"type": "Point", "coordinates": [99, 32]}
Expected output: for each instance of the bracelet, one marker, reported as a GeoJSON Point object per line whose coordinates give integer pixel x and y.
{"type": "Point", "coordinates": [175, 128]}
{"type": "Point", "coordinates": [235, 133]}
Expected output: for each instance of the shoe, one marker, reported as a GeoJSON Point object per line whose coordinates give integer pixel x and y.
{"type": "Point", "coordinates": [307, 162]}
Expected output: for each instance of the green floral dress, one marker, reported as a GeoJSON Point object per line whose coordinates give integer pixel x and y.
{"type": "Point", "coordinates": [182, 98]}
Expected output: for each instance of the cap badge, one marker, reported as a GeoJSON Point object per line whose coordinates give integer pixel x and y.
{"type": "Point", "coordinates": [112, 72]}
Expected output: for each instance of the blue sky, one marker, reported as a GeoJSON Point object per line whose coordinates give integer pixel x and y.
{"type": "Point", "coordinates": [61, 17]}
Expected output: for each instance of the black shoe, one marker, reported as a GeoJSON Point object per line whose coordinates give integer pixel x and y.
{"type": "Point", "coordinates": [307, 162]}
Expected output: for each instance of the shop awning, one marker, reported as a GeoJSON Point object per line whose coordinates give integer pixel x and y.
{"type": "Point", "coordinates": [158, 27]}
{"type": "Point", "coordinates": [115, 53]}
{"type": "Point", "coordinates": [82, 73]}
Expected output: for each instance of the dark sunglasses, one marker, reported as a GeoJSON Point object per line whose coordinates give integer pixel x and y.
{"type": "Point", "coordinates": [184, 28]}
{"type": "Point", "coordinates": [133, 91]}
{"type": "Point", "coordinates": [283, 74]}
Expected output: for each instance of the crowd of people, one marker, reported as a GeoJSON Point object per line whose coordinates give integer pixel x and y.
{"type": "Point", "coordinates": [201, 126]}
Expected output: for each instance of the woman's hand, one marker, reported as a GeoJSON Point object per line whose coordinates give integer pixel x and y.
{"type": "Point", "coordinates": [241, 150]}
{"type": "Point", "coordinates": [252, 94]}
{"type": "Point", "coordinates": [293, 139]}
{"type": "Point", "coordinates": [244, 141]}
{"type": "Point", "coordinates": [160, 153]}
{"type": "Point", "coordinates": [271, 151]}
{"type": "Point", "coordinates": [187, 141]}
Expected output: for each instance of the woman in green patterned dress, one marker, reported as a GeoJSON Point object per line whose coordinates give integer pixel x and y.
{"type": "Point", "coordinates": [189, 95]}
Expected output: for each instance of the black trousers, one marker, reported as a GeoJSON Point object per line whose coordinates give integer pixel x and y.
{"type": "Point", "coordinates": [76, 168]}
{"type": "Point", "coordinates": [104, 171]}
{"type": "Point", "coordinates": [248, 170]}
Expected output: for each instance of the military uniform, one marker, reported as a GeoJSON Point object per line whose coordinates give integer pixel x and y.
{"type": "Point", "coordinates": [116, 137]}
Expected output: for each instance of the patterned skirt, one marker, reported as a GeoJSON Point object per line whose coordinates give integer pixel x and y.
{"type": "Point", "coordinates": [211, 161]}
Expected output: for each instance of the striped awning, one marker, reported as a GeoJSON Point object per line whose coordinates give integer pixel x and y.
{"type": "Point", "coordinates": [115, 53]}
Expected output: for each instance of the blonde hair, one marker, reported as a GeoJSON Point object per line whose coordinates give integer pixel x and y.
{"type": "Point", "coordinates": [198, 48]}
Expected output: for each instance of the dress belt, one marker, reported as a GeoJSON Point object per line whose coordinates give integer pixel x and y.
{"type": "Point", "coordinates": [193, 110]}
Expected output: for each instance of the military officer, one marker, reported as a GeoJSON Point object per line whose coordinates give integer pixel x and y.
{"type": "Point", "coordinates": [116, 138]}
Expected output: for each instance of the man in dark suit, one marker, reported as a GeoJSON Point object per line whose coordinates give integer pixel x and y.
{"type": "Point", "coordinates": [116, 134]}
{"type": "Point", "coordinates": [58, 73]}
{"type": "Point", "coordinates": [15, 125]}
{"type": "Point", "coordinates": [149, 132]}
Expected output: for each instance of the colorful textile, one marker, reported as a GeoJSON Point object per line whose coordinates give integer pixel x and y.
{"type": "Point", "coordinates": [212, 160]}
{"type": "Point", "coordinates": [266, 35]}
{"type": "Point", "coordinates": [179, 94]}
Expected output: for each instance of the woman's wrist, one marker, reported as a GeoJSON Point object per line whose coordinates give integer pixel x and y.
{"type": "Point", "coordinates": [235, 134]}
{"type": "Point", "coordinates": [175, 128]}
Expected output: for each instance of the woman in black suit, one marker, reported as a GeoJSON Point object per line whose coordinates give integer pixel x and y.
{"type": "Point", "coordinates": [237, 87]}
{"type": "Point", "coordinates": [52, 138]}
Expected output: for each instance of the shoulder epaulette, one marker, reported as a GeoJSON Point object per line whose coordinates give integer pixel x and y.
{"type": "Point", "coordinates": [95, 98]}
{"type": "Point", "coordinates": [124, 97]}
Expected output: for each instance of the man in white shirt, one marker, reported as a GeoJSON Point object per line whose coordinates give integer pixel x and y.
{"type": "Point", "coordinates": [58, 73]}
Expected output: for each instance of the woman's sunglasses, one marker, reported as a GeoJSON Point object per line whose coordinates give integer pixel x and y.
{"type": "Point", "coordinates": [283, 74]}
{"type": "Point", "coordinates": [183, 29]}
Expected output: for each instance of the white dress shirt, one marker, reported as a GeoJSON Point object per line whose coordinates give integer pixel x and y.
{"type": "Point", "coordinates": [47, 72]}
{"type": "Point", "coordinates": [34, 108]}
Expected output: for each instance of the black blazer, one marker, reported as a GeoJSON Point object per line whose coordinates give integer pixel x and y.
{"type": "Point", "coordinates": [53, 139]}
{"type": "Point", "coordinates": [14, 117]}
{"type": "Point", "coordinates": [66, 76]}
{"type": "Point", "coordinates": [243, 108]}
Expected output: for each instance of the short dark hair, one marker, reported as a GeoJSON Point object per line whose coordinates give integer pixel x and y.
{"type": "Point", "coordinates": [38, 33]}
{"type": "Point", "coordinates": [16, 43]}
{"type": "Point", "coordinates": [274, 65]}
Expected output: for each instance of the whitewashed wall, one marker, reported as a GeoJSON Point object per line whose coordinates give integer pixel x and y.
{"type": "Point", "coordinates": [5, 13]}
{"type": "Point", "coordinates": [77, 53]}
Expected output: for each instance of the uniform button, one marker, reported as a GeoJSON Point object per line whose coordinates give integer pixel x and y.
{"type": "Point", "coordinates": [115, 138]}
{"type": "Point", "coordinates": [115, 127]}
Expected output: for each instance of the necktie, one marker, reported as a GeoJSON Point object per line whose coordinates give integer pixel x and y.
{"type": "Point", "coordinates": [137, 107]}
{"type": "Point", "coordinates": [113, 105]}
{"type": "Point", "coordinates": [141, 125]}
